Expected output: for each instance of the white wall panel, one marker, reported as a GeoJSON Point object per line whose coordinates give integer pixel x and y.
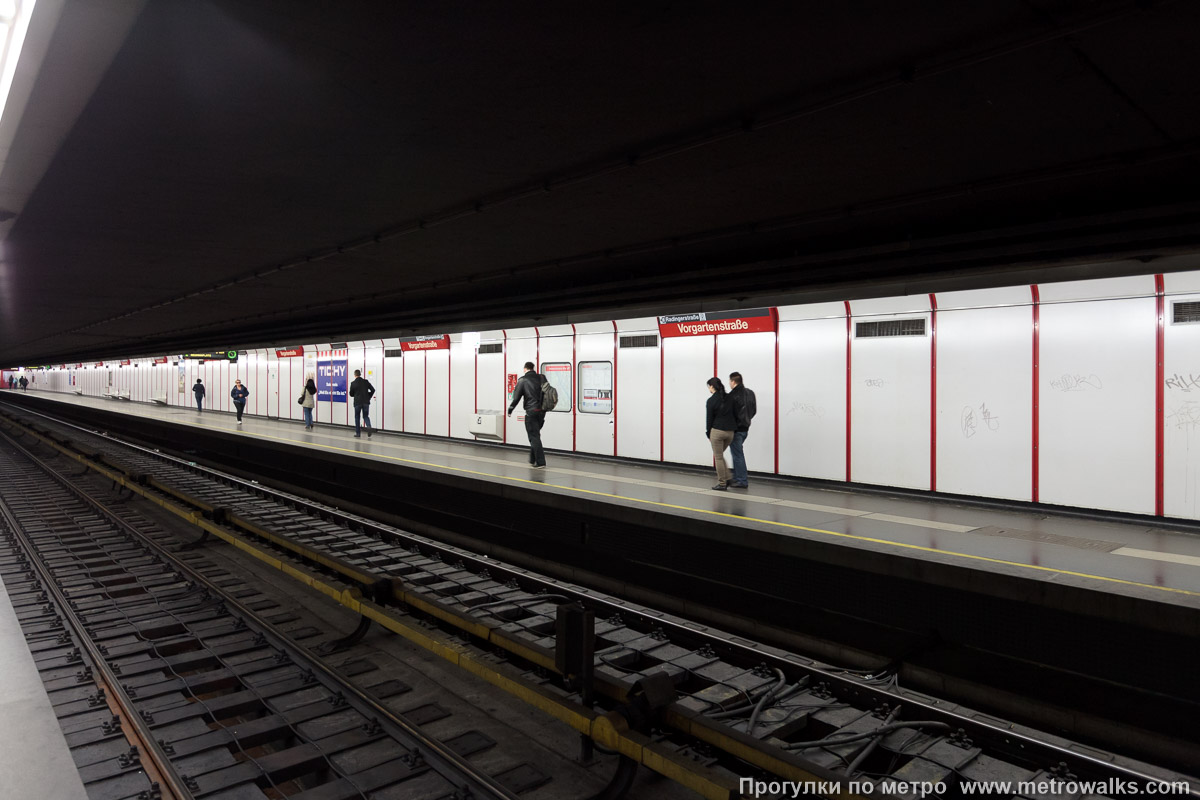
{"type": "Point", "coordinates": [909, 304]}
{"type": "Point", "coordinates": [595, 433]}
{"type": "Point", "coordinates": [413, 413]}
{"type": "Point", "coordinates": [753, 355]}
{"type": "Point", "coordinates": [985, 298]}
{"type": "Point", "coordinates": [812, 398]}
{"type": "Point", "coordinates": [462, 380]}
{"type": "Point", "coordinates": [638, 419]}
{"type": "Point", "coordinates": [1097, 405]}
{"type": "Point", "coordinates": [557, 432]}
{"type": "Point", "coordinates": [985, 402]}
{"type": "Point", "coordinates": [688, 366]}
{"type": "Point", "coordinates": [1182, 282]}
{"type": "Point", "coordinates": [519, 351]}
{"type": "Point", "coordinates": [1100, 289]}
{"type": "Point", "coordinates": [812, 311]}
{"type": "Point", "coordinates": [437, 392]}
{"type": "Point", "coordinates": [1181, 413]}
{"type": "Point", "coordinates": [489, 386]}
{"type": "Point", "coordinates": [391, 405]}
{"type": "Point", "coordinates": [372, 370]}
{"type": "Point", "coordinates": [889, 409]}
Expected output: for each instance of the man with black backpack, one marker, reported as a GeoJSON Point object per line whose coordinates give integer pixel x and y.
{"type": "Point", "coordinates": [539, 397]}
{"type": "Point", "coordinates": [744, 409]}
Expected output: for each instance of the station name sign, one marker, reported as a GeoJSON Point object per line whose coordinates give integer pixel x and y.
{"type": "Point", "coordinates": [412, 343]}
{"type": "Point", "coordinates": [160, 360]}
{"type": "Point", "coordinates": [289, 352]}
{"type": "Point", "coordinates": [216, 355]}
{"type": "Point", "coordinates": [705, 323]}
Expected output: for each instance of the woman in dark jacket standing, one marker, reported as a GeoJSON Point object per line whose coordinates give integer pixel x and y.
{"type": "Point", "coordinates": [719, 428]}
{"type": "Point", "coordinates": [308, 399]}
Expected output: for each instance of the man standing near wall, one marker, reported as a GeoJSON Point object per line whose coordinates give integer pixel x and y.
{"type": "Point", "coordinates": [744, 408]}
{"type": "Point", "coordinates": [530, 388]}
{"type": "Point", "coordinates": [362, 391]}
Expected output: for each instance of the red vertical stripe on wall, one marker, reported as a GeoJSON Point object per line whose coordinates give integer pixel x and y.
{"type": "Point", "coordinates": [1159, 391]}
{"type": "Point", "coordinates": [848, 339]}
{"type": "Point", "coordinates": [382, 384]}
{"type": "Point", "coordinates": [425, 402]}
{"type": "Point", "coordinates": [932, 392]}
{"type": "Point", "coordinates": [662, 389]}
{"type": "Point", "coordinates": [504, 419]}
{"type": "Point", "coordinates": [574, 389]}
{"type": "Point", "coordinates": [1037, 323]}
{"type": "Point", "coordinates": [616, 371]}
{"type": "Point", "coordinates": [476, 381]}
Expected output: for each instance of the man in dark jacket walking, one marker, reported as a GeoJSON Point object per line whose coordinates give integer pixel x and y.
{"type": "Point", "coordinates": [199, 391]}
{"type": "Point", "coordinates": [529, 389]}
{"type": "Point", "coordinates": [744, 409]}
{"type": "Point", "coordinates": [361, 391]}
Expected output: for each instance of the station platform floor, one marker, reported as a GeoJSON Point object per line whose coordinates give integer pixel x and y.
{"type": "Point", "coordinates": [1133, 558]}
{"type": "Point", "coordinates": [35, 760]}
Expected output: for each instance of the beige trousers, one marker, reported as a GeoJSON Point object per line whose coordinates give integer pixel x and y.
{"type": "Point", "coordinates": [720, 441]}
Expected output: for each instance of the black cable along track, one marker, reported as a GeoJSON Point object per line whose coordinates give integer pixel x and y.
{"type": "Point", "coordinates": [726, 680]}
{"type": "Point", "coordinates": [230, 707]}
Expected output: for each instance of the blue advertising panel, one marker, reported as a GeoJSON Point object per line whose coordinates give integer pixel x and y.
{"type": "Point", "coordinates": [331, 380]}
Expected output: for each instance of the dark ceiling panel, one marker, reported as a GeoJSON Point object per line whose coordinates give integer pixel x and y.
{"type": "Point", "coordinates": [229, 139]}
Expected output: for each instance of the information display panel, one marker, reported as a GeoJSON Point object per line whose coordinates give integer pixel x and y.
{"type": "Point", "coordinates": [595, 387]}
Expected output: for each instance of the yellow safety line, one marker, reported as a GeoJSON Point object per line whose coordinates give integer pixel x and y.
{"type": "Point", "coordinates": [774, 523]}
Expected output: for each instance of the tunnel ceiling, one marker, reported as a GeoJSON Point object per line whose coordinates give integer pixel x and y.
{"type": "Point", "coordinates": [251, 173]}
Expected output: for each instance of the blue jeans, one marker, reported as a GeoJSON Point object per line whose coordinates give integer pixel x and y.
{"type": "Point", "coordinates": [739, 458]}
{"type": "Point", "coordinates": [365, 413]}
{"type": "Point", "coordinates": [308, 417]}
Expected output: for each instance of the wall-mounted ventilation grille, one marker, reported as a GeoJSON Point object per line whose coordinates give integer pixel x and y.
{"type": "Point", "coordinates": [393, 353]}
{"type": "Point", "coordinates": [491, 348]}
{"type": "Point", "coordinates": [338, 346]}
{"type": "Point", "coordinates": [1185, 311]}
{"type": "Point", "coordinates": [649, 340]}
{"type": "Point", "coordinates": [890, 327]}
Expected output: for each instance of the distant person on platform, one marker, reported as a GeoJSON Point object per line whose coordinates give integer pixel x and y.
{"type": "Point", "coordinates": [199, 391]}
{"type": "Point", "coordinates": [362, 391]}
{"type": "Point", "coordinates": [239, 394]}
{"type": "Point", "coordinates": [744, 408]}
{"type": "Point", "coordinates": [719, 429]}
{"type": "Point", "coordinates": [11, 381]}
{"type": "Point", "coordinates": [308, 401]}
{"type": "Point", "coordinates": [24, 382]}
{"type": "Point", "coordinates": [529, 388]}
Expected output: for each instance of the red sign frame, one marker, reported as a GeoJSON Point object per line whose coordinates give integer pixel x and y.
{"type": "Point", "coordinates": [705, 323]}
{"type": "Point", "coordinates": [412, 344]}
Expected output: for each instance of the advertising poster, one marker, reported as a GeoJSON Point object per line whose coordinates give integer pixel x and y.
{"type": "Point", "coordinates": [331, 380]}
{"type": "Point", "coordinates": [182, 378]}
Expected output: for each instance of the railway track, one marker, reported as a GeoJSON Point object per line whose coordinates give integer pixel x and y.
{"type": "Point", "coordinates": [715, 712]}
{"type": "Point", "coordinates": [169, 679]}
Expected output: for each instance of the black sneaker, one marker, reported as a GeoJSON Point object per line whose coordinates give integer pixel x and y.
{"type": "Point", "coordinates": [358, 436]}
{"type": "Point", "coordinates": [739, 486]}
{"type": "Point", "coordinates": [539, 466]}
{"type": "Point", "coordinates": [719, 488]}
{"type": "Point", "coordinates": [370, 432]}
